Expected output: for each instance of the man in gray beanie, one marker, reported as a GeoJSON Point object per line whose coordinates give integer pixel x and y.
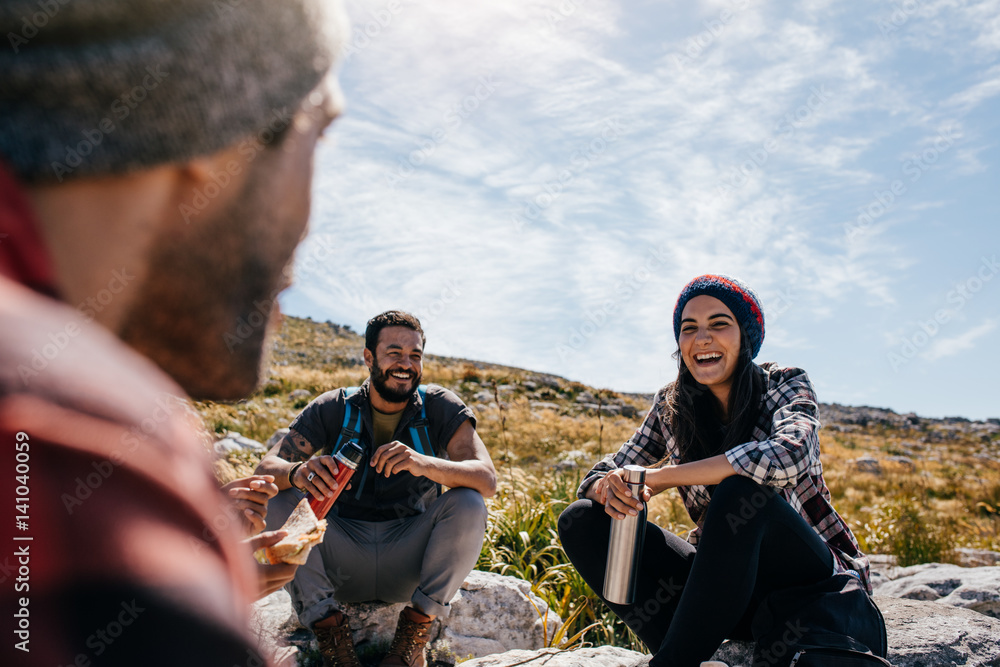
{"type": "Point", "coordinates": [155, 168]}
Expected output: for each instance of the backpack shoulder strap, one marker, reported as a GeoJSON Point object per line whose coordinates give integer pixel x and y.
{"type": "Point", "coordinates": [352, 422]}
{"type": "Point", "coordinates": [418, 429]}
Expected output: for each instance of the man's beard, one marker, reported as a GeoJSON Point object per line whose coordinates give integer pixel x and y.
{"type": "Point", "coordinates": [380, 383]}
{"type": "Point", "coordinates": [210, 302]}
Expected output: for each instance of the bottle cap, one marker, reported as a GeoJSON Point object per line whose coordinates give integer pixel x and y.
{"type": "Point", "coordinates": [350, 454]}
{"type": "Point", "coordinates": [635, 475]}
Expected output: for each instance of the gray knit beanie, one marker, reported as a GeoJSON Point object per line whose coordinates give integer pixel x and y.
{"type": "Point", "coordinates": [91, 87]}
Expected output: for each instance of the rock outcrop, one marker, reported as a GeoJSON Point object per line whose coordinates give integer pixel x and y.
{"type": "Point", "coordinates": [489, 614]}
{"type": "Point", "coordinates": [973, 588]}
{"type": "Point", "coordinates": [920, 634]}
{"type": "Point", "coordinates": [603, 656]}
{"type": "Point", "coordinates": [928, 633]}
{"type": "Point", "coordinates": [236, 442]}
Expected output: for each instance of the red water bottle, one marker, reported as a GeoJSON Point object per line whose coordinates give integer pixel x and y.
{"type": "Point", "coordinates": [348, 459]}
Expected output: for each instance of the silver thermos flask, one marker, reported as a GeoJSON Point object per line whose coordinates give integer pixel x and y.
{"type": "Point", "coordinates": [625, 545]}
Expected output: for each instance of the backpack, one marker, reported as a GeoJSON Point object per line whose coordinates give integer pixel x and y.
{"type": "Point", "coordinates": [351, 430]}
{"type": "Point", "coordinates": [833, 623]}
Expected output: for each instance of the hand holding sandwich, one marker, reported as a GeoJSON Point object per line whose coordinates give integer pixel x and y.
{"type": "Point", "coordinates": [271, 577]}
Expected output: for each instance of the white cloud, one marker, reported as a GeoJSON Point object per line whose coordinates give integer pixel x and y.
{"type": "Point", "coordinates": [412, 212]}
{"type": "Point", "coordinates": [947, 347]}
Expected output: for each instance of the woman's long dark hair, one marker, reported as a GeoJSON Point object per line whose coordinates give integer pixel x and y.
{"type": "Point", "coordinates": [692, 411]}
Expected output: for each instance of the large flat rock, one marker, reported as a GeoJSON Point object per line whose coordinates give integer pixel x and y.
{"type": "Point", "coordinates": [921, 634]}
{"type": "Point", "coordinates": [489, 614]}
{"type": "Point", "coordinates": [602, 656]}
{"type": "Point", "coordinates": [974, 588]}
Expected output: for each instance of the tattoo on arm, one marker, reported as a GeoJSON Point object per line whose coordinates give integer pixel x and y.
{"type": "Point", "coordinates": [294, 447]}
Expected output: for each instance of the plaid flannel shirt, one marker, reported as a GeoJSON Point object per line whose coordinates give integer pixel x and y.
{"type": "Point", "coordinates": [784, 454]}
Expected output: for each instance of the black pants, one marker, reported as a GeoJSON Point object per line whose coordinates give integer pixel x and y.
{"type": "Point", "coordinates": [688, 601]}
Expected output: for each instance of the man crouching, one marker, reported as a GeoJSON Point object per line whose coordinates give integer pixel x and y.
{"type": "Point", "coordinates": [392, 535]}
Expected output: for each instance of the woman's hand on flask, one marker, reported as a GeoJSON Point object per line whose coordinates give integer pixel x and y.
{"type": "Point", "coordinates": [612, 492]}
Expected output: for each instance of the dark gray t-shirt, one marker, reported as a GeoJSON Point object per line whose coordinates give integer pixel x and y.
{"type": "Point", "coordinates": [374, 497]}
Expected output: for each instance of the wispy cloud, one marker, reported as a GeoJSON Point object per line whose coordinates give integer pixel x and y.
{"type": "Point", "coordinates": [747, 145]}
{"type": "Point", "coordinates": [947, 347]}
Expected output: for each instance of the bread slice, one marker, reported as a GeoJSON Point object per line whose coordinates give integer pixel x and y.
{"type": "Point", "coordinates": [304, 532]}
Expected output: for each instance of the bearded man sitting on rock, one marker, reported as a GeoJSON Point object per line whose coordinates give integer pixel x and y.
{"type": "Point", "coordinates": [392, 535]}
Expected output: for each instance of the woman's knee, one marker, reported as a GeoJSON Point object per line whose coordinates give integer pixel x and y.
{"type": "Point", "coordinates": [581, 519]}
{"type": "Point", "coordinates": [739, 500]}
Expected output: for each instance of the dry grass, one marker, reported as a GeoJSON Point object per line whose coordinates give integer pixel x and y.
{"type": "Point", "coordinates": [949, 496]}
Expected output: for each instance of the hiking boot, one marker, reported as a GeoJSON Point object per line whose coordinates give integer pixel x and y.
{"type": "Point", "coordinates": [412, 633]}
{"type": "Point", "coordinates": [336, 645]}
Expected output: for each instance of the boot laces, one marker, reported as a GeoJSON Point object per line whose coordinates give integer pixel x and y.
{"type": "Point", "coordinates": [337, 647]}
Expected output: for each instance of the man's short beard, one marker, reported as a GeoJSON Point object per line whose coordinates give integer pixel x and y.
{"type": "Point", "coordinates": [380, 385]}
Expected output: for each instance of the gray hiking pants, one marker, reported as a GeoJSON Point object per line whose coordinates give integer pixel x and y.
{"type": "Point", "coordinates": [421, 559]}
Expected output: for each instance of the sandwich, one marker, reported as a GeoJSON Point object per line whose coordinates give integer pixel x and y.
{"type": "Point", "coordinates": [304, 532]}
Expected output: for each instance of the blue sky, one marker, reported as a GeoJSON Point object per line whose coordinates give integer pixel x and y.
{"type": "Point", "coordinates": [538, 180]}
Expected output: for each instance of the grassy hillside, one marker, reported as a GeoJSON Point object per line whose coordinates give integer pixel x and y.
{"type": "Point", "coordinates": [937, 486]}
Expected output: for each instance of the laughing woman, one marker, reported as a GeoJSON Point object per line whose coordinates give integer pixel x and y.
{"type": "Point", "coordinates": [739, 441]}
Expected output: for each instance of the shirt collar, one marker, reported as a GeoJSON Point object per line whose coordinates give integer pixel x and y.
{"type": "Point", "coordinates": [23, 255]}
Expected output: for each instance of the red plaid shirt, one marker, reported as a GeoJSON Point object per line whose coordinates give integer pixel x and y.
{"type": "Point", "coordinates": [784, 454]}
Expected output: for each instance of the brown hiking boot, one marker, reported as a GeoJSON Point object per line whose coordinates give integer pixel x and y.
{"type": "Point", "coordinates": [412, 633]}
{"type": "Point", "coordinates": [336, 645]}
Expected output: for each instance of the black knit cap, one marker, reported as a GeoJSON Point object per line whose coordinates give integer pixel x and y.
{"type": "Point", "coordinates": [737, 296]}
{"type": "Point", "coordinates": [94, 87]}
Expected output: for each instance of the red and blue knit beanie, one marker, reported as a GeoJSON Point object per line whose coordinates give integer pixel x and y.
{"type": "Point", "coordinates": [737, 296]}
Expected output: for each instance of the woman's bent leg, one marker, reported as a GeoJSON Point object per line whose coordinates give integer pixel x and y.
{"type": "Point", "coordinates": [752, 543]}
{"type": "Point", "coordinates": [666, 560]}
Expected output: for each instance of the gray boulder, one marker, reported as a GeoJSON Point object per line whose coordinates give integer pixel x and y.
{"type": "Point", "coordinates": [236, 442]}
{"type": "Point", "coordinates": [920, 634]}
{"type": "Point", "coordinates": [573, 459]}
{"type": "Point", "coordinates": [977, 557]}
{"type": "Point", "coordinates": [867, 464]}
{"type": "Point", "coordinates": [276, 438]}
{"type": "Point", "coordinates": [272, 622]}
{"type": "Point", "coordinates": [974, 588]}
{"type": "Point", "coordinates": [602, 656]}
{"type": "Point", "coordinates": [491, 613]}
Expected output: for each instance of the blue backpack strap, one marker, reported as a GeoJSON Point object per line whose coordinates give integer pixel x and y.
{"type": "Point", "coordinates": [348, 431]}
{"type": "Point", "coordinates": [418, 429]}
{"type": "Point", "coordinates": [351, 430]}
